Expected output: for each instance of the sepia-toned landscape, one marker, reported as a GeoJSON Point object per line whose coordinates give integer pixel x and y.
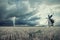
{"type": "Point", "coordinates": [29, 19]}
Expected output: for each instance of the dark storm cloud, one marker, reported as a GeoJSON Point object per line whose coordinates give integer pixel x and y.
{"type": "Point", "coordinates": [8, 9]}
{"type": "Point", "coordinates": [11, 11]}
{"type": "Point", "coordinates": [33, 3]}
{"type": "Point", "coordinates": [2, 8]}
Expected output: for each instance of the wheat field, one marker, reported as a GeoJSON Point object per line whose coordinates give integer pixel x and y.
{"type": "Point", "coordinates": [29, 33]}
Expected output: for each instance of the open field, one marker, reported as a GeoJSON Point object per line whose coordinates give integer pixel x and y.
{"type": "Point", "coordinates": [29, 33]}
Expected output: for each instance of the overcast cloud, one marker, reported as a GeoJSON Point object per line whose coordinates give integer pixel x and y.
{"type": "Point", "coordinates": [32, 12]}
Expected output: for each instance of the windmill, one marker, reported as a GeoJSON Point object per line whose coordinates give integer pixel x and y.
{"type": "Point", "coordinates": [50, 20]}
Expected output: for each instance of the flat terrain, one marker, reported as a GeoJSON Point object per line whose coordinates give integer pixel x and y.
{"type": "Point", "coordinates": [29, 33]}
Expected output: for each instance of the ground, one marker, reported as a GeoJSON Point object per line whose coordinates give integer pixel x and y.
{"type": "Point", "coordinates": [23, 33]}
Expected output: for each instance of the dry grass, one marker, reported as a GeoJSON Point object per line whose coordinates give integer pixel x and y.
{"type": "Point", "coordinates": [23, 33]}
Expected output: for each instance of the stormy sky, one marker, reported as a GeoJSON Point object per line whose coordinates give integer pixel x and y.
{"type": "Point", "coordinates": [30, 12]}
